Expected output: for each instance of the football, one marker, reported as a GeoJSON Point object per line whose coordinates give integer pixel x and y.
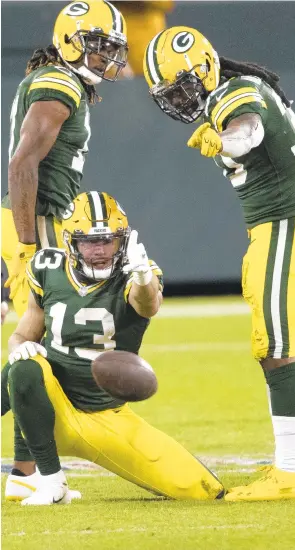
{"type": "Point", "coordinates": [124, 375]}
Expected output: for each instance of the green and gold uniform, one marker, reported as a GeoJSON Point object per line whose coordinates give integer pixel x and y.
{"type": "Point", "coordinates": [60, 172]}
{"type": "Point", "coordinates": [264, 180]}
{"type": "Point", "coordinates": [82, 321]}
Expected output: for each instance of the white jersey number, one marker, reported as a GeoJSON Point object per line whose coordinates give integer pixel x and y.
{"type": "Point", "coordinates": [97, 314]}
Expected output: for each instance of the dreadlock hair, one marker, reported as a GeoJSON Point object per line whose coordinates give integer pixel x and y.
{"type": "Point", "coordinates": [230, 68]}
{"type": "Point", "coordinates": [44, 57]}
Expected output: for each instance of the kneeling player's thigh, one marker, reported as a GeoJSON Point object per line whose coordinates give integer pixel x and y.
{"type": "Point", "coordinates": [125, 444]}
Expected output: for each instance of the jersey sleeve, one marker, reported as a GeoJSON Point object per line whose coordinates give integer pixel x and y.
{"type": "Point", "coordinates": [239, 96]}
{"type": "Point", "coordinates": [55, 83]}
{"type": "Point", "coordinates": [36, 279]}
{"type": "Point", "coordinates": [155, 269]}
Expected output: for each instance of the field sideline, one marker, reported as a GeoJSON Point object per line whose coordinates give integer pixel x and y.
{"type": "Point", "coordinates": [212, 399]}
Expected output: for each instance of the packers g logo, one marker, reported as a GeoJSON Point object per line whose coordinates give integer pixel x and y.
{"type": "Point", "coordinates": [78, 8]}
{"type": "Point", "coordinates": [69, 211]}
{"type": "Point", "coordinates": [182, 42]}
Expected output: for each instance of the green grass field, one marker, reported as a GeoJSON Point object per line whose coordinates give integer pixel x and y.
{"type": "Point", "coordinates": [211, 398]}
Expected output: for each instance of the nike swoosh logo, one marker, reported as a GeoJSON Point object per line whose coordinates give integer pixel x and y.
{"type": "Point", "coordinates": [218, 97]}
{"type": "Point", "coordinates": [58, 500]}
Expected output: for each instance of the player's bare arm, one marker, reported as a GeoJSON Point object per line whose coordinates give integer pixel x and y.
{"type": "Point", "coordinates": [146, 299]}
{"type": "Point", "coordinates": [241, 135]}
{"type": "Point", "coordinates": [39, 131]}
{"type": "Point", "coordinates": [30, 328]}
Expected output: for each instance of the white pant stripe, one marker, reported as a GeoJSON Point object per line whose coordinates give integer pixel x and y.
{"type": "Point", "coordinates": [275, 291]}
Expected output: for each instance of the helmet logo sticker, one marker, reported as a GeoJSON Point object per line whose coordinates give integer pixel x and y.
{"type": "Point", "coordinates": [69, 211]}
{"type": "Point", "coordinates": [182, 41]}
{"type": "Point", "coordinates": [78, 8]}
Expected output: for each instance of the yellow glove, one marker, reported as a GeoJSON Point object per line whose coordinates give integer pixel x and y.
{"type": "Point", "coordinates": [23, 254]}
{"type": "Point", "coordinates": [207, 140]}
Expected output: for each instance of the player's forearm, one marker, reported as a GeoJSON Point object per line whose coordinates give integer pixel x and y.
{"type": "Point", "coordinates": [146, 299]}
{"type": "Point", "coordinates": [239, 139]}
{"type": "Point", "coordinates": [22, 185]}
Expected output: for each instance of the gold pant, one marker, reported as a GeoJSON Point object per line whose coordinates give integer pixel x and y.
{"type": "Point", "coordinates": [123, 443]}
{"type": "Point", "coordinates": [48, 231]}
{"type": "Point", "coordinates": [268, 280]}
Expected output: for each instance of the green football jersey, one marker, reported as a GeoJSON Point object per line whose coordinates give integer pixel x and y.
{"type": "Point", "coordinates": [83, 321]}
{"type": "Point", "coordinates": [264, 178]}
{"type": "Point", "coordinates": [61, 170]}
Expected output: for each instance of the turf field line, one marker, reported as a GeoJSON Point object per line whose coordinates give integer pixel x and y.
{"type": "Point", "coordinates": [184, 310]}
{"type": "Point", "coordinates": [79, 467]}
{"type": "Point", "coordinates": [197, 346]}
{"type": "Point", "coordinates": [139, 529]}
{"type": "Point", "coordinates": [203, 310]}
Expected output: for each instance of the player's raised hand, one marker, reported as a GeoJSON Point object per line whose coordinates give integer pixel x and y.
{"type": "Point", "coordinates": [17, 272]}
{"type": "Point", "coordinates": [138, 261]}
{"type": "Point", "coordinates": [207, 140]}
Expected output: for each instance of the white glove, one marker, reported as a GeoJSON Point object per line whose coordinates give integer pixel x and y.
{"type": "Point", "coordinates": [25, 351]}
{"type": "Point", "coordinates": [138, 261]}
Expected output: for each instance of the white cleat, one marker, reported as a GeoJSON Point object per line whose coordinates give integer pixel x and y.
{"type": "Point", "coordinates": [53, 489]}
{"type": "Point", "coordinates": [18, 488]}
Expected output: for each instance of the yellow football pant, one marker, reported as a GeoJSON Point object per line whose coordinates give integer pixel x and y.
{"type": "Point", "coordinates": [48, 233]}
{"type": "Point", "coordinates": [268, 280]}
{"type": "Point", "coordinates": [125, 444]}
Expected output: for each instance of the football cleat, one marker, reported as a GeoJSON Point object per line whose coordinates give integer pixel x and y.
{"type": "Point", "coordinates": [274, 485]}
{"type": "Point", "coordinates": [18, 488]}
{"type": "Point", "coordinates": [53, 489]}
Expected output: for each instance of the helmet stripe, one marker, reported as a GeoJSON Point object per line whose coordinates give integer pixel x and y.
{"type": "Point", "coordinates": [117, 18]}
{"type": "Point", "coordinates": [104, 208]}
{"type": "Point", "coordinates": [151, 60]}
{"type": "Point", "coordinates": [96, 211]}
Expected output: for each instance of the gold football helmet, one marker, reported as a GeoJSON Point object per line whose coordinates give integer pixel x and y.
{"type": "Point", "coordinates": [95, 26]}
{"type": "Point", "coordinates": [95, 217]}
{"type": "Point", "coordinates": [181, 68]}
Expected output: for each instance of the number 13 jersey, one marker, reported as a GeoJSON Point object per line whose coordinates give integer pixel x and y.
{"type": "Point", "coordinates": [83, 321]}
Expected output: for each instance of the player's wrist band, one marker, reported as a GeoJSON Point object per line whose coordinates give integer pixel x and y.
{"type": "Point", "coordinates": [142, 278]}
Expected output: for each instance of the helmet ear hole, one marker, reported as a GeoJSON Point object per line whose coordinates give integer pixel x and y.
{"type": "Point", "coordinates": [67, 40]}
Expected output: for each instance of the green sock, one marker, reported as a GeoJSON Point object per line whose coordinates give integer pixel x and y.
{"type": "Point", "coordinates": [281, 382]}
{"type": "Point", "coordinates": [21, 450]}
{"type": "Point", "coordinates": [34, 413]}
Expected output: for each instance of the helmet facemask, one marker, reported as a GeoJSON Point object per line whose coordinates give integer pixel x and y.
{"type": "Point", "coordinates": [91, 269]}
{"type": "Point", "coordinates": [182, 100]}
{"type": "Point", "coordinates": [111, 48]}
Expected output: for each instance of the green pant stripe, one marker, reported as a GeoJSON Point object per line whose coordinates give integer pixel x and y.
{"type": "Point", "coordinates": [268, 286]}
{"type": "Point", "coordinates": [284, 287]}
{"type": "Point", "coordinates": [52, 240]}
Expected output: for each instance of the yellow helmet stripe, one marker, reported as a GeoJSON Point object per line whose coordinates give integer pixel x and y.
{"type": "Point", "coordinates": [151, 60]}
{"type": "Point", "coordinates": [117, 18]}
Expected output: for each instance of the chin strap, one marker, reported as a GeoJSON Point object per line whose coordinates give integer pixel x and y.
{"type": "Point", "coordinates": [96, 274]}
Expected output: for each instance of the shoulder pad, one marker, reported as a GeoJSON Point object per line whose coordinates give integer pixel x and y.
{"type": "Point", "coordinates": [57, 81]}
{"type": "Point", "coordinates": [230, 96]}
